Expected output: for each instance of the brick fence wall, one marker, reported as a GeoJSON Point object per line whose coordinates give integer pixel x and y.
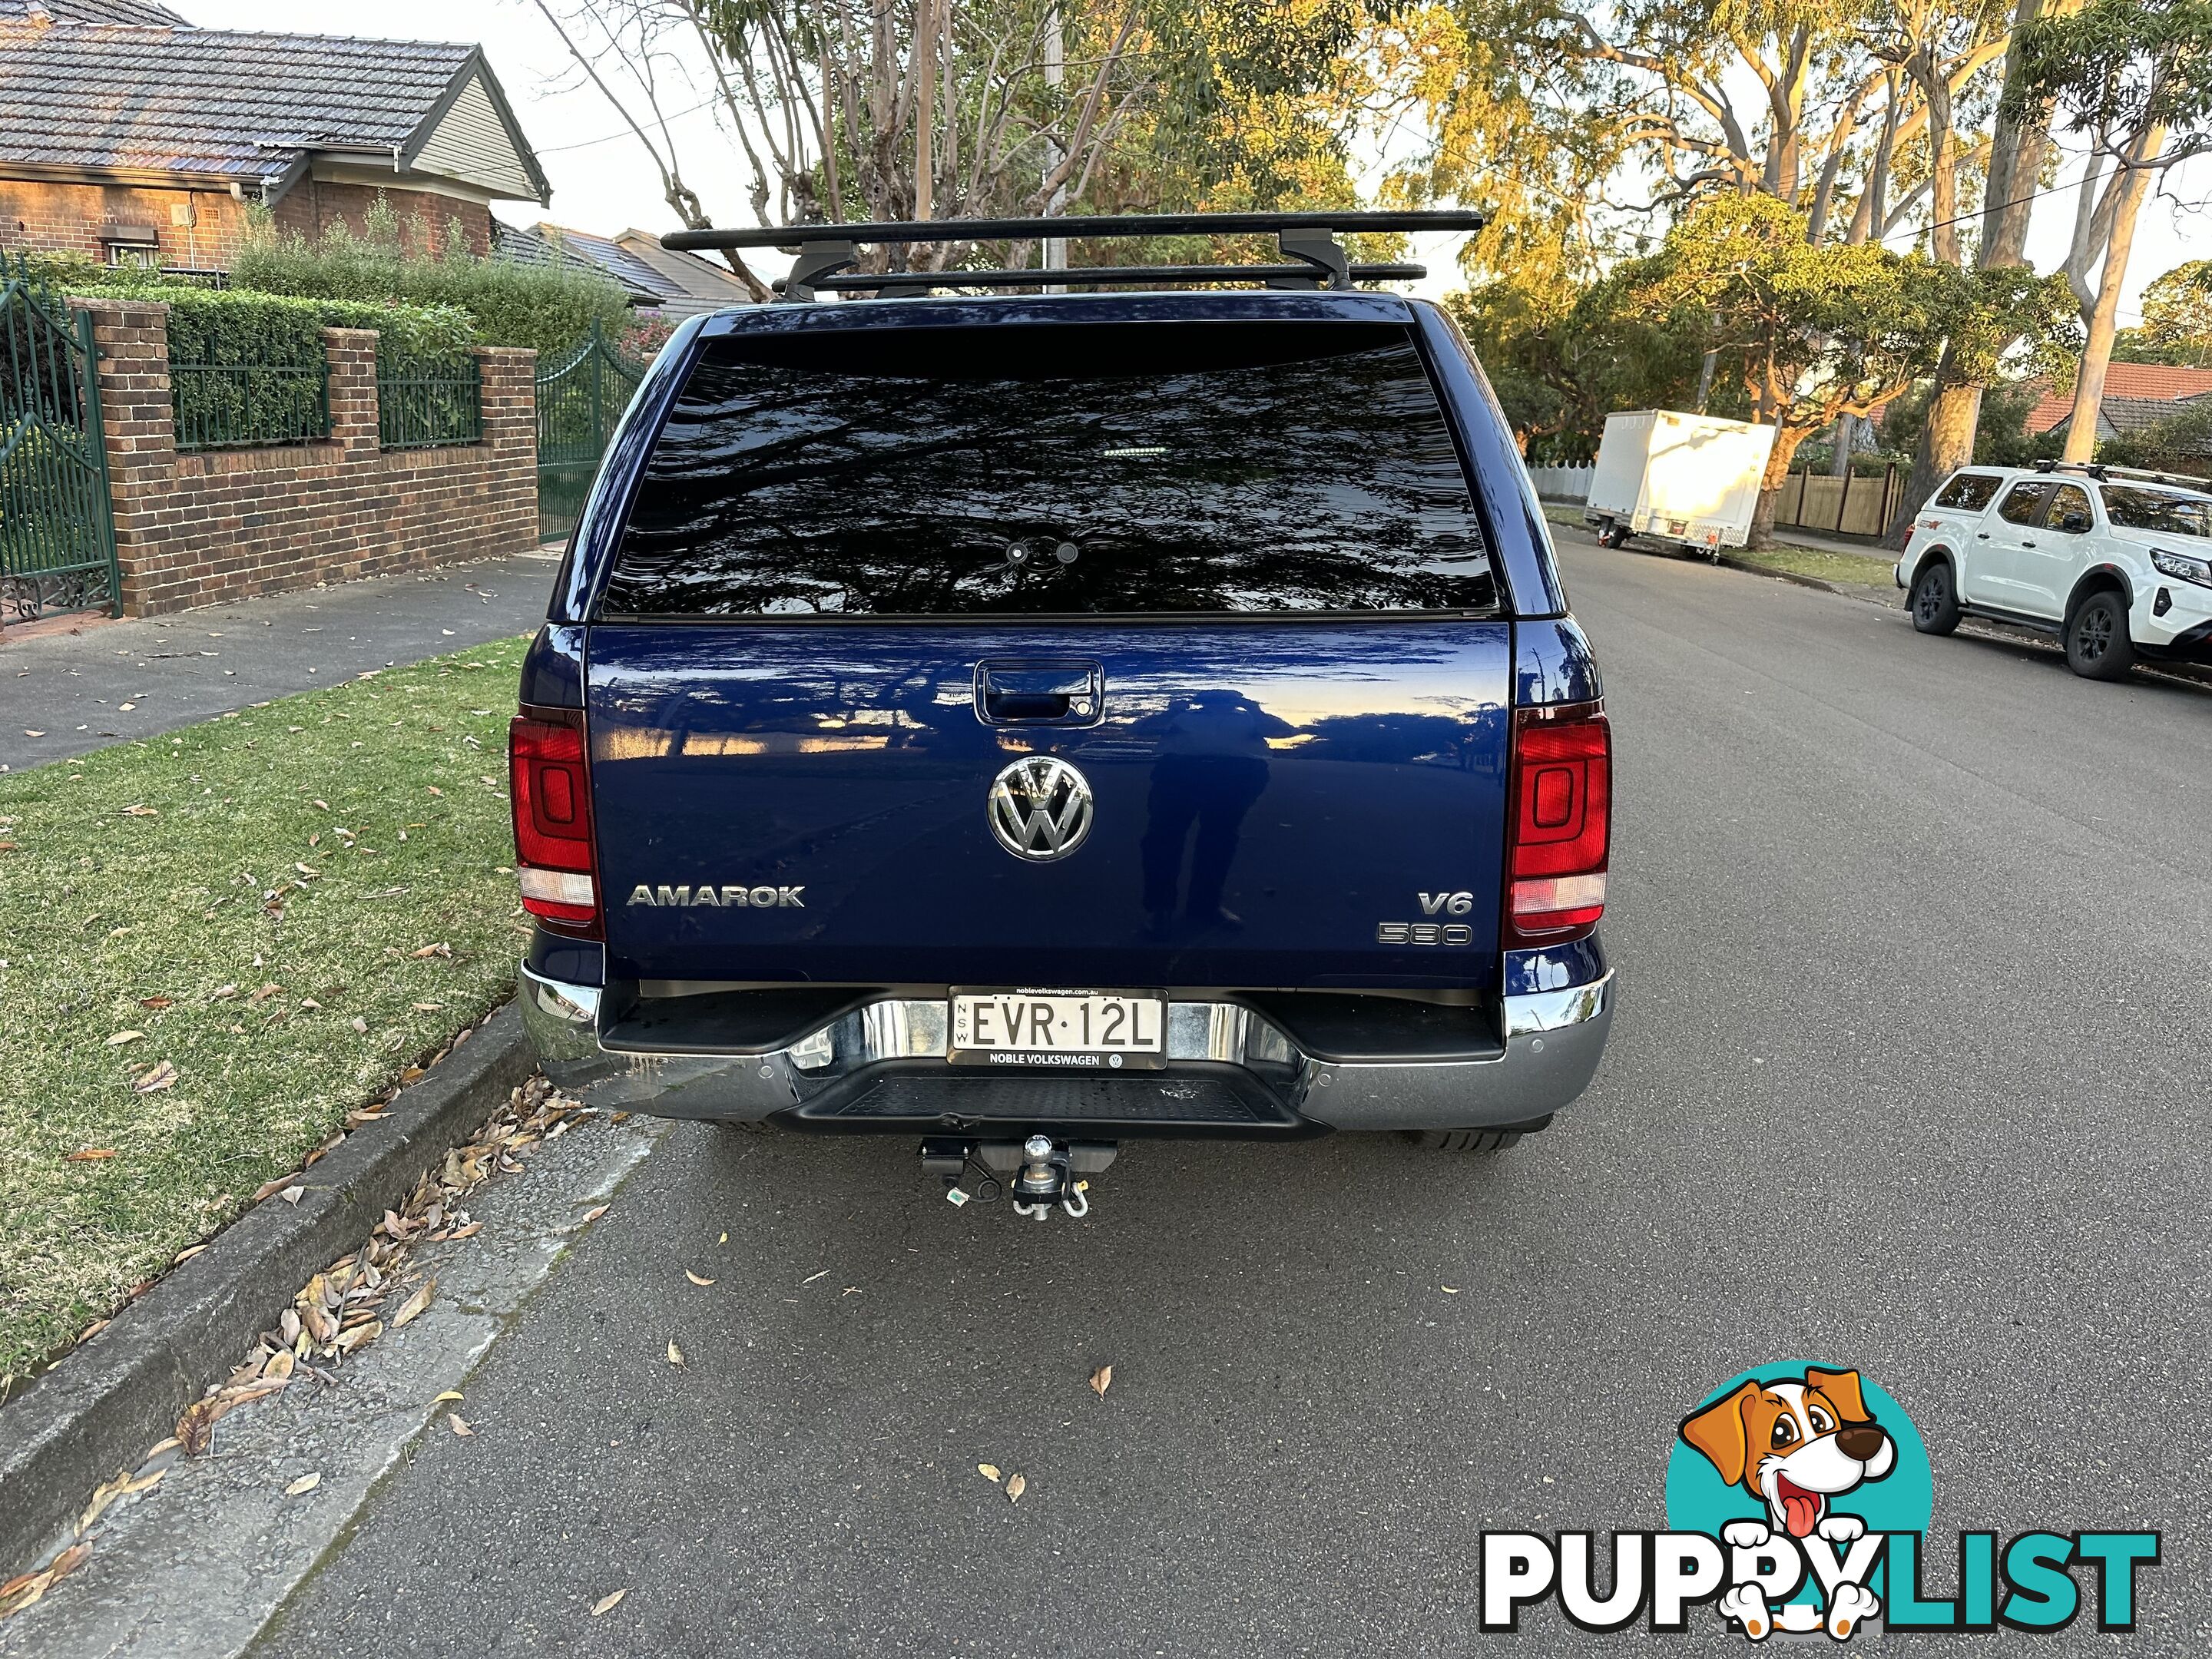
{"type": "Point", "coordinates": [208, 525]}
{"type": "Point", "coordinates": [47, 214]}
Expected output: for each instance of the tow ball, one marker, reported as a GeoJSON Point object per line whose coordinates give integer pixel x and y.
{"type": "Point", "coordinates": [1038, 1172]}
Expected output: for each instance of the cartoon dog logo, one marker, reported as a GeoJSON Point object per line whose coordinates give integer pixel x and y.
{"type": "Point", "coordinates": [1795, 1445]}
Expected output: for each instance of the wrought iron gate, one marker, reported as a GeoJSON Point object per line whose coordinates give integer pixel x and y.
{"type": "Point", "coordinates": [57, 522]}
{"type": "Point", "coordinates": [579, 402]}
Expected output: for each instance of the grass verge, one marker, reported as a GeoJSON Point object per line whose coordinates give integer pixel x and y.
{"type": "Point", "coordinates": [216, 944]}
{"type": "Point", "coordinates": [1866, 571]}
{"type": "Point", "coordinates": [1869, 570]}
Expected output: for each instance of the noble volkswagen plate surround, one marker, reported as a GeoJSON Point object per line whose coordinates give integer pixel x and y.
{"type": "Point", "coordinates": [1039, 808]}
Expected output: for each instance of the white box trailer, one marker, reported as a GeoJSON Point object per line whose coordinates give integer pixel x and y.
{"type": "Point", "coordinates": [1691, 479]}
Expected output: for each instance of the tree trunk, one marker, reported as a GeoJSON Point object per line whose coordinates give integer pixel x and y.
{"type": "Point", "coordinates": [1786, 440]}
{"type": "Point", "coordinates": [925, 69]}
{"type": "Point", "coordinates": [1946, 443]}
{"type": "Point", "coordinates": [2104, 317]}
{"type": "Point", "coordinates": [2015, 167]}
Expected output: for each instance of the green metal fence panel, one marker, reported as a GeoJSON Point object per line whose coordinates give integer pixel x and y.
{"type": "Point", "coordinates": [580, 400]}
{"type": "Point", "coordinates": [429, 403]}
{"type": "Point", "coordinates": [56, 520]}
{"type": "Point", "coordinates": [247, 405]}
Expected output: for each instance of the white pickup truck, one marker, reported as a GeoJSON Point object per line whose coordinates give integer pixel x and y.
{"type": "Point", "coordinates": [2117, 562]}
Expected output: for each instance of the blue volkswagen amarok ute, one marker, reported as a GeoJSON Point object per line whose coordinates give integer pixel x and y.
{"type": "Point", "coordinates": [1037, 720]}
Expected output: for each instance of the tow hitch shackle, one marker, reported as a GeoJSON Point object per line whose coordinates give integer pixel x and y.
{"type": "Point", "coordinates": [1039, 1173]}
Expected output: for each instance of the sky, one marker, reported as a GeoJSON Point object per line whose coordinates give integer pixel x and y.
{"type": "Point", "coordinates": [604, 182]}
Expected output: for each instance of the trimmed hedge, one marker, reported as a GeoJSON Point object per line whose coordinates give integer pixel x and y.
{"type": "Point", "coordinates": [548, 307]}
{"type": "Point", "coordinates": [250, 368]}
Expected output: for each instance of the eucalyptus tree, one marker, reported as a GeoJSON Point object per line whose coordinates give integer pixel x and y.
{"type": "Point", "coordinates": [2133, 79]}
{"type": "Point", "coordinates": [849, 109]}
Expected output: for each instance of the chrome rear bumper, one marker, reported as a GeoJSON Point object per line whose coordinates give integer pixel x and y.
{"type": "Point", "coordinates": [1553, 1040]}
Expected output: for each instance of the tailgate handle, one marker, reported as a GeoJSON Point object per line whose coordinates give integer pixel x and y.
{"type": "Point", "coordinates": [1056, 693]}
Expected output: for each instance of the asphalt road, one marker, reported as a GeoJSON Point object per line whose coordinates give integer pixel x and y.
{"type": "Point", "coordinates": [1910, 1073]}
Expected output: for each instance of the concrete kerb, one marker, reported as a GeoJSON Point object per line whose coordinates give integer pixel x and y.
{"type": "Point", "coordinates": [109, 1400]}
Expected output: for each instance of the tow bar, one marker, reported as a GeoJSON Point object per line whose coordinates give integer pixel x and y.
{"type": "Point", "coordinates": [1039, 1171]}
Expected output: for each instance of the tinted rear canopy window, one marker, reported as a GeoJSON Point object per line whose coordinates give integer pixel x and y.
{"type": "Point", "coordinates": [1105, 469]}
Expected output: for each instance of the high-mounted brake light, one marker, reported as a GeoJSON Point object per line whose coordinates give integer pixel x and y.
{"type": "Point", "coordinates": [1561, 790]}
{"type": "Point", "coordinates": [553, 821]}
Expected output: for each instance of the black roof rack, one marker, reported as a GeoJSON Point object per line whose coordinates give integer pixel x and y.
{"type": "Point", "coordinates": [2101, 470]}
{"type": "Point", "coordinates": [1309, 238]}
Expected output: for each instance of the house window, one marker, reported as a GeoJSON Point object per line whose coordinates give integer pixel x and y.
{"type": "Point", "coordinates": [131, 246]}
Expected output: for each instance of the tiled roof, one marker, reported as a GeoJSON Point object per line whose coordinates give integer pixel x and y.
{"type": "Point", "coordinates": [609, 255]}
{"type": "Point", "coordinates": [702, 279]}
{"type": "Point", "coordinates": [94, 11]}
{"type": "Point", "coordinates": [210, 100]}
{"type": "Point", "coordinates": [2128, 416]}
{"type": "Point", "coordinates": [550, 244]}
{"type": "Point", "coordinates": [2153, 382]}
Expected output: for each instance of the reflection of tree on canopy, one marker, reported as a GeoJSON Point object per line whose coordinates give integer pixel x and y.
{"type": "Point", "coordinates": [1327, 482]}
{"type": "Point", "coordinates": [1461, 741]}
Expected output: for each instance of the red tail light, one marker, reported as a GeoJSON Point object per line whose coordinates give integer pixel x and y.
{"type": "Point", "coordinates": [553, 821]}
{"type": "Point", "coordinates": [1562, 793]}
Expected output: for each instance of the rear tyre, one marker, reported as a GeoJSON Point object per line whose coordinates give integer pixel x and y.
{"type": "Point", "coordinates": [2097, 643]}
{"type": "Point", "coordinates": [1935, 600]}
{"type": "Point", "coordinates": [1476, 1140]}
{"type": "Point", "coordinates": [1613, 535]}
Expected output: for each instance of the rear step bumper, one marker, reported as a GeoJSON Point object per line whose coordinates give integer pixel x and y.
{"type": "Point", "coordinates": [879, 1067]}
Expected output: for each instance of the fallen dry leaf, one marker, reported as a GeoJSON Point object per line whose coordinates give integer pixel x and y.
{"type": "Point", "coordinates": [724, 1239]}
{"type": "Point", "coordinates": [360, 1025]}
{"type": "Point", "coordinates": [304, 1484]}
{"type": "Point", "coordinates": [674, 1354]}
{"type": "Point", "coordinates": [30, 733]}
{"type": "Point", "coordinates": [156, 1003]}
{"type": "Point", "coordinates": [450, 1393]}
{"type": "Point", "coordinates": [89, 1155]}
{"type": "Point", "coordinates": [1100, 1380]}
{"type": "Point", "coordinates": [595, 1213]}
{"type": "Point", "coordinates": [413, 1306]}
{"type": "Point", "coordinates": [222, 993]}
{"type": "Point", "coordinates": [605, 1603]}
{"type": "Point", "coordinates": [163, 1076]}
{"type": "Point", "coordinates": [1449, 1290]}
{"type": "Point", "coordinates": [292, 1194]}
{"type": "Point", "coordinates": [988, 1470]}
{"type": "Point", "coordinates": [458, 1424]}
{"type": "Point", "coordinates": [195, 1428]}
{"type": "Point", "coordinates": [1016, 1486]}
{"type": "Point", "coordinates": [695, 1279]}
{"type": "Point", "coordinates": [122, 1037]}
{"type": "Point", "coordinates": [360, 1335]}
{"type": "Point", "coordinates": [440, 949]}
{"type": "Point", "coordinates": [141, 812]}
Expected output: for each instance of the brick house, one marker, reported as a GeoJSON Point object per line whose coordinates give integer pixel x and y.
{"type": "Point", "coordinates": [127, 135]}
{"type": "Point", "coordinates": [2136, 396]}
